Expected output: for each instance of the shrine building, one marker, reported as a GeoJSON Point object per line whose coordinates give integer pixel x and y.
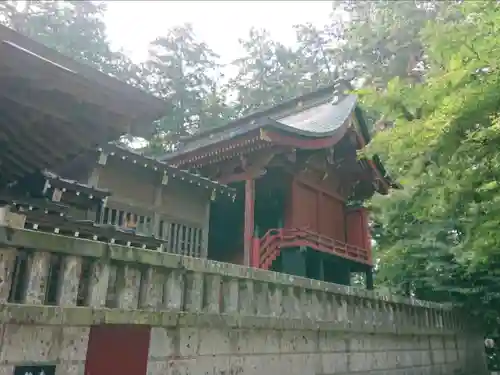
{"type": "Point", "coordinates": [281, 189]}
{"type": "Point", "coordinates": [103, 249]}
{"type": "Point", "coordinates": [63, 171]}
{"type": "Point", "coordinates": [300, 186]}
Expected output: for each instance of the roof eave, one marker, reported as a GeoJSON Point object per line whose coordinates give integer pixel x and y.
{"type": "Point", "coordinates": [365, 134]}
{"type": "Point", "coordinates": [150, 108]}
{"type": "Point", "coordinates": [266, 112]}
{"type": "Point", "coordinates": [183, 175]}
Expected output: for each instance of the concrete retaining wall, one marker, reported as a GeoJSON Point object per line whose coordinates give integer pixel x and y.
{"type": "Point", "coordinates": [212, 318]}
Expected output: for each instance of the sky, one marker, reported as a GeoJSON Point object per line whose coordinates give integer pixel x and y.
{"type": "Point", "coordinates": [218, 23]}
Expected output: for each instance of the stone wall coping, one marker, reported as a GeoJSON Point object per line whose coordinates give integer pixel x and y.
{"type": "Point", "coordinates": [29, 239]}
{"type": "Point", "coordinates": [23, 314]}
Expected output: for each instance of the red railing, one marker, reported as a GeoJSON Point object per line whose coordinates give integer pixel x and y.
{"type": "Point", "coordinates": [267, 248]}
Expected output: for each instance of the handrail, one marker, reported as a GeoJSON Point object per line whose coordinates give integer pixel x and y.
{"type": "Point", "coordinates": [270, 244]}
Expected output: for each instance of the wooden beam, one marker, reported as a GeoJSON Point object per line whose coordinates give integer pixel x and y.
{"type": "Point", "coordinates": [375, 172]}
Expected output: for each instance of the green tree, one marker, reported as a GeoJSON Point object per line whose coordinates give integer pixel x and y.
{"type": "Point", "coordinates": [437, 238]}
{"type": "Point", "coordinates": [270, 72]}
{"type": "Point", "coordinates": [184, 72]}
{"type": "Point", "coordinates": [378, 40]}
{"type": "Point", "coordinates": [74, 28]}
{"type": "Point", "coordinates": [256, 83]}
{"type": "Point", "coordinates": [317, 67]}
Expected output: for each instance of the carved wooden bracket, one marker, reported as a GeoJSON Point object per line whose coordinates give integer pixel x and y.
{"type": "Point", "coordinates": [245, 168]}
{"type": "Point", "coordinates": [251, 174]}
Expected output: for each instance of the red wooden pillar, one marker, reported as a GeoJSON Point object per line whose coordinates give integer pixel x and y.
{"type": "Point", "coordinates": [249, 221]}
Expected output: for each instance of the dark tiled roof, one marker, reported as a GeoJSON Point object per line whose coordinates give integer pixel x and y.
{"type": "Point", "coordinates": [320, 118]}
{"type": "Point", "coordinates": [172, 172]}
{"type": "Point", "coordinates": [318, 114]}
{"type": "Point", "coordinates": [54, 108]}
{"type": "Point", "coordinates": [148, 103]}
{"type": "Point", "coordinates": [212, 138]}
{"type": "Point", "coordinates": [57, 181]}
{"type": "Point", "coordinates": [319, 96]}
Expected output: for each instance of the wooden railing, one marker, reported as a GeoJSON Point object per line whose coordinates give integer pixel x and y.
{"type": "Point", "coordinates": [268, 247]}
{"type": "Point", "coordinates": [176, 237]}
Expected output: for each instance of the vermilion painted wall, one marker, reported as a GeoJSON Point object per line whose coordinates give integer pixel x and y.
{"type": "Point", "coordinates": [323, 212]}
{"type": "Point", "coordinates": [304, 207]}
{"type": "Point", "coordinates": [358, 231]}
{"type": "Point", "coordinates": [118, 349]}
{"type": "Point", "coordinates": [315, 209]}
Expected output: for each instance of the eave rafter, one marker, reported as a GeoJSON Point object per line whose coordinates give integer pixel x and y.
{"type": "Point", "coordinates": [38, 129]}
{"type": "Point", "coordinates": [219, 152]}
{"type": "Point", "coordinates": [60, 106]}
{"type": "Point", "coordinates": [23, 145]}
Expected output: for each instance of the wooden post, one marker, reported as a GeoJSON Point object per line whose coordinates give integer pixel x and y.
{"type": "Point", "coordinates": [157, 203]}
{"type": "Point", "coordinates": [369, 278]}
{"type": "Point", "coordinates": [249, 220]}
{"type": "Point", "coordinates": [205, 229]}
{"type": "Point", "coordinates": [93, 181]}
{"type": "Point", "coordinates": [367, 240]}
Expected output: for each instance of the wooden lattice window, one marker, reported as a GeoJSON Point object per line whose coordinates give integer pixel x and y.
{"type": "Point", "coordinates": [181, 238]}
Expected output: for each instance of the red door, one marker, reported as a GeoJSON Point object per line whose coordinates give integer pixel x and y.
{"type": "Point", "coordinates": [117, 349]}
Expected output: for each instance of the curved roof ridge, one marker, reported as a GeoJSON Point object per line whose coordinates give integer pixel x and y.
{"type": "Point", "coordinates": [321, 118]}
{"type": "Point", "coordinates": [323, 92]}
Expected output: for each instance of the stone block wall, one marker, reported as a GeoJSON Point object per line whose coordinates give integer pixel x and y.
{"type": "Point", "coordinates": [204, 317]}
{"type": "Point", "coordinates": [43, 344]}
{"type": "Point", "coordinates": [298, 352]}
{"type": "Point", "coordinates": [197, 350]}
